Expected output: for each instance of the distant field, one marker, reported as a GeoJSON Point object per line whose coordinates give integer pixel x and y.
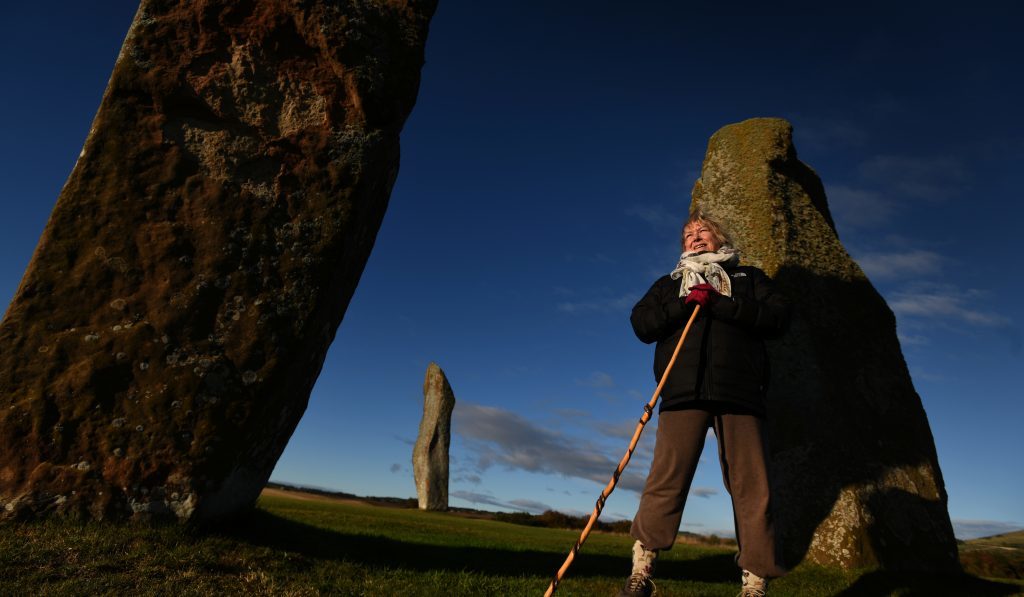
{"type": "Point", "coordinates": [311, 545]}
{"type": "Point", "coordinates": [1001, 556]}
{"type": "Point", "coordinates": [1014, 540]}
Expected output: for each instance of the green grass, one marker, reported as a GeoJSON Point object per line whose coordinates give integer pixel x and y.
{"type": "Point", "coordinates": [1014, 540]}
{"type": "Point", "coordinates": [1001, 556]}
{"type": "Point", "coordinates": [316, 547]}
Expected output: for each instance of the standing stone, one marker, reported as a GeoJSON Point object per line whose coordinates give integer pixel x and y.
{"type": "Point", "coordinates": [167, 333]}
{"type": "Point", "coordinates": [855, 475]}
{"type": "Point", "coordinates": [430, 454]}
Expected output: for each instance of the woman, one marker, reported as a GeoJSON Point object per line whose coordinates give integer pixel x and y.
{"type": "Point", "coordinates": [719, 381]}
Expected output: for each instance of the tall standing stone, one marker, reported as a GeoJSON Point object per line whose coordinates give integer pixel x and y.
{"type": "Point", "coordinates": [165, 338]}
{"type": "Point", "coordinates": [856, 477]}
{"type": "Point", "coordinates": [430, 454]}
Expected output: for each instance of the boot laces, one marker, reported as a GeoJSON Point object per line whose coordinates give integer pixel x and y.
{"type": "Point", "coordinates": [640, 584]}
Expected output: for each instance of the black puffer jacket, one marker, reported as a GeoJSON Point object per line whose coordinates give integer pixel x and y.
{"type": "Point", "coordinates": [723, 359]}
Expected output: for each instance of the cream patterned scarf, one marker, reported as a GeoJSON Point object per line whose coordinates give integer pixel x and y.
{"type": "Point", "coordinates": [698, 268]}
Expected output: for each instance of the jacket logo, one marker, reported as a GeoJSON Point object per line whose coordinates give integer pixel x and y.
{"type": "Point", "coordinates": [739, 275]}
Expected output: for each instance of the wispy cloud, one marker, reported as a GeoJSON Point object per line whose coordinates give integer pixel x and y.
{"type": "Point", "coordinates": [703, 492]}
{"type": "Point", "coordinates": [911, 339]}
{"type": "Point", "coordinates": [478, 498]}
{"type": "Point", "coordinates": [468, 478]}
{"type": "Point", "coordinates": [620, 429]}
{"type": "Point", "coordinates": [573, 413]}
{"type": "Point", "coordinates": [531, 506]}
{"type": "Point", "coordinates": [893, 265]}
{"type": "Point", "coordinates": [945, 303]}
{"type": "Point", "coordinates": [919, 374]}
{"type": "Point", "coordinates": [918, 177]}
{"type": "Point", "coordinates": [887, 182]}
{"type": "Point", "coordinates": [973, 529]}
{"type": "Point", "coordinates": [485, 499]}
{"type": "Point", "coordinates": [657, 215]}
{"type": "Point", "coordinates": [822, 135]}
{"type": "Point", "coordinates": [859, 207]}
{"type": "Point", "coordinates": [500, 437]}
{"type": "Point", "coordinates": [597, 379]}
{"type": "Point", "coordinates": [599, 305]}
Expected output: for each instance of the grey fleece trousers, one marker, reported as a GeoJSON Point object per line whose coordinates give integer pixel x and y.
{"type": "Point", "coordinates": [743, 455]}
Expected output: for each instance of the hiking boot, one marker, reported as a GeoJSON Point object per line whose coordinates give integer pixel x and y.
{"type": "Point", "coordinates": [638, 585]}
{"type": "Point", "coordinates": [753, 585]}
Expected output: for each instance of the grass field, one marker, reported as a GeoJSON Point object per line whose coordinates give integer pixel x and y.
{"type": "Point", "coordinates": [1000, 556]}
{"type": "Point", "coordinates": [312, 546]}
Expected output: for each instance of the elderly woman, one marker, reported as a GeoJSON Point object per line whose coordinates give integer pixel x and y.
{"type": "Point", "coordinates": [719, 381]}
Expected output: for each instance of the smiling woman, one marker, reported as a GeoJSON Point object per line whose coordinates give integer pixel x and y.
{"type": "Point", "coordinates": [702, 234]}
{"type": "Point", "coordinates": [720, 383]}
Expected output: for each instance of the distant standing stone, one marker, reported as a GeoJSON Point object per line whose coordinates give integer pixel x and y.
{"type": "Point", "coordinates": [430, 455]}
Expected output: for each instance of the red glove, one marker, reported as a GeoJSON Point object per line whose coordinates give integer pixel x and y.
{"type": "Point", "coordinates": [702, 294]}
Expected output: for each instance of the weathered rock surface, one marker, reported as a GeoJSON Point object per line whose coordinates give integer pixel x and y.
{"type": "Point", "coordinates": [856, 478]}
{"type": "Point", "coordinates": [163, 343]}
{"type": "Point", "coordinates": [430, 454]}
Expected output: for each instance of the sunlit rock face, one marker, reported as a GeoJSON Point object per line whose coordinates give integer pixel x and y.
{"type": "Point", "coordinates": [164, 341]}
{"type": "Point", "coordinates": [855, 475]}
{"type": "Point", "coordinates": [430, 454]}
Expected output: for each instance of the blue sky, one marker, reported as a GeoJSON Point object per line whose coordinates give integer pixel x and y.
{"type": "Point", "coordinates": [545, 171]}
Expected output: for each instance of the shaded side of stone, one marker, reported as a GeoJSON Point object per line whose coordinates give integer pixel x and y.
{"type": "Point", "coordinates": [855, 473]}
{"type": "Point", "coordinates": [163, 342]}
{"type": "Point", "coordinates": [430, 454]}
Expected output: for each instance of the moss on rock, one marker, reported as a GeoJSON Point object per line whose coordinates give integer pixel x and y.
{"type": "Point", "coordinates": [855, 474]}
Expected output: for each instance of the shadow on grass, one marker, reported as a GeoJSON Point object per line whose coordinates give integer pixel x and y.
{"type": "Point", "coordinates": [912, 585]}
{"type": "Point", "coordinates": [268, 530]}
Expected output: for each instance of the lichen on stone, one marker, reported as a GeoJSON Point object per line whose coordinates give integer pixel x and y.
{"type": "Point", "coordinates": [856, 478]}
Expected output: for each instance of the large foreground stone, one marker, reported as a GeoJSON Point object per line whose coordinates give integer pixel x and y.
{"type": "Point", "coordinates": [430, 454]}
{"type": "Point", "coordinates": [163, 343]}
{"type": "Point", "coordinates": [856, 478]}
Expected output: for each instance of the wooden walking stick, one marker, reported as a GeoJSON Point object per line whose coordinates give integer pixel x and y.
{"type": "Point", "coordinates": [599, 506]}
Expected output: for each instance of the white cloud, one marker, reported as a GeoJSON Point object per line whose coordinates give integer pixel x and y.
{"type": "Point", "coordinates": [620, 429]}
{"type": "Point", "coordinates": [893, 265]}
{"type": "Point", "coordinates": [500, 437]}
{"type": "Point", "coordinates": [859, 207]}
{"type": "Point", "coordinates": [973, 529]}
{"type": "Point", "coordinates": [823, 135]}
{"type": "Point", "coordinates": [658, 216]}
{"type": "Point", "coordinates": [531, 506]}
{"type": "Point", "coordinates": [933, 178]}
{"type": "Point", "coordinates": [912, 339]}
{"type": "Point", "coordinates": [478, 498]}
{"type": "Point", "coordinates": [599, 305]}
{"type": "Point", "coordinates": [486, 499]}
{"type": "Point", "coordinates": [703, 492]}
{"type": "Point", "coordinates": [597, 379]}
{"type": "Point", "coordinates": [944, 303]}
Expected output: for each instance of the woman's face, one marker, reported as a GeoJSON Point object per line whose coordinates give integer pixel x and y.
{"type": "Point", "coordinates": [698, 238]}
